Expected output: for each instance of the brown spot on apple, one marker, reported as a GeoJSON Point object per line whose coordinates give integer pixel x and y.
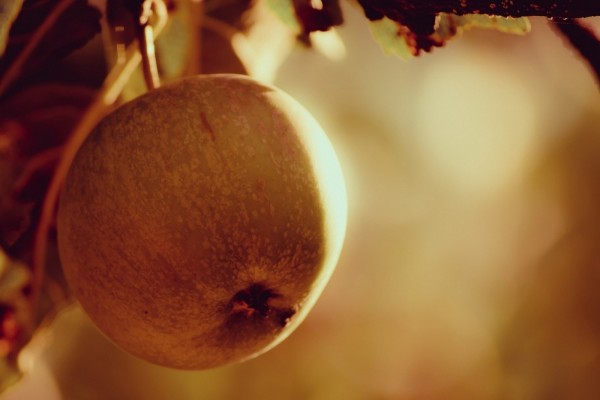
{"type": "Point", "coordinates": [208, 127]}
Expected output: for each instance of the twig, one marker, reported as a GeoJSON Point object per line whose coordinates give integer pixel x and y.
{"type": "Point", "coordinates": [584, 40]}
{"type": "Point", "coordinates": [149, 66]}
{"type": "Point", "coordinates": [419, 15]}
{"type": "Point", "coordinates": [512, 8]}
{"type": "Point", "coordinates": [15, 69]}
{"type": "Point", "coordinates": [145, 36]}
{"type": "Point", "coordinates": [37, 163]}
{"type": "Point", "coordinates": [108, 94]}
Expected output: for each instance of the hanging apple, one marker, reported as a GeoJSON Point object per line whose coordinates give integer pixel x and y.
{"type": "Point", "coordinates": [200, 222]}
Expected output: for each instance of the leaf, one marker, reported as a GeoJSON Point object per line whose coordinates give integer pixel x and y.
{"type": "Point", "coordinates": [232, 36]}
{"type": "Point", "coordinates": [34, 123]}
{"type": "Point", "coordinates": [450, 25]}
{"type": "Point", "coordinates": [266, 43]}
{"type": "Point", "coordinates": [303, 17]}
{"type": "Point", "coordinates": [397, 39]}
{"type": "Point", "coordinates": [74, 28]}
{"type": "Point", "coordinates": [13, 219]}
{"type": "Point", "coordinates": [284, 9]}
{"type": "Point", "coordinates": [16, 317]}
{"type": "Point", "coordinates": [387, 34]}
{"type": "Point", "coordinates": [9, 9]}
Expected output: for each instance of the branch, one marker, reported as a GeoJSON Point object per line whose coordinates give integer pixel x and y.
{"type": "Point", "coordinates": [584, 40]}
{"type": "Point", "coordinates": [419, 15]}
{"type": "Point", "coordinates": [395, 9]}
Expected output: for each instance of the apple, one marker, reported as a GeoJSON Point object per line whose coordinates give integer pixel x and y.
{"type": "Point", "coordinates": [200, 222]}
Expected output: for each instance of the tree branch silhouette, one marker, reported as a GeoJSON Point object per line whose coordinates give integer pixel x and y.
{"type": "Point", "coordinates": [399, 9]}
{"type": "Point", "coordinates": [584, 40]}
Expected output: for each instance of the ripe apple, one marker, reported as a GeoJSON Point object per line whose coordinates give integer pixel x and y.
{"type": "Point", "coordinates": [200, 222]}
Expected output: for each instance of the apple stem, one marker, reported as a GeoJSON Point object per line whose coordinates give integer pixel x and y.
{"type": "Point", "coordinates": [145, 37]}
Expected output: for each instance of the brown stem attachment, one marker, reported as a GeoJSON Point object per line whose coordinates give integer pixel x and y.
{"type": "Point", "coordinates": [584, 40]}
{"type": "Point", "coordinates": [149, 65]}
{"type": "Point", "coordinates": [144, 13]}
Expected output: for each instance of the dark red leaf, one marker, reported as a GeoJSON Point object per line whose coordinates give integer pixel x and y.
{"type": "Point", "coordinates": [74, 28]}
{"type": "Point", "coordinates": [34, 124]}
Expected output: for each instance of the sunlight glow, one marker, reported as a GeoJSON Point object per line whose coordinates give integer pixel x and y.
{"type": "Point", "coordinates": [316, 4]}
{"type": "Point", "coordinates": [329, 43]}
{"type": "Point", "coordinates": [477, 130]}
{"type": "Point", "coordinates": [38, 383]}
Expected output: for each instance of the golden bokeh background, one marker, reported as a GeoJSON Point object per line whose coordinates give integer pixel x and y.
{"type": "Point", "coordinates": [471, 268]}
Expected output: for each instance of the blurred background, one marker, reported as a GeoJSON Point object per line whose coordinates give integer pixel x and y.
{"type": "Point", "coordinates": [471, 268]}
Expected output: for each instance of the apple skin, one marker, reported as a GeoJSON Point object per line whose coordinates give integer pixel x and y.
{"type": "Point", "coordinates": [200, 222]}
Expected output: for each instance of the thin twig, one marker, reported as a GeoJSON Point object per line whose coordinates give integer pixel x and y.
{"type": "Point", "coordinates": [584, 40]}
{"type": "Point", "coordinates": [36, 164]}
{"type": "Point", "coordinates": [149, 66]}
{"type": "Point", "coordinates": [145, 36]}
{"type": "Point", "coordinates": [108, 94]}
{"type": "Point", "coordinates": [92, 115]}
{"type": "Point", "coordinates": [399, 9]}
{"type": "Point", "coordinates": [16, 67]}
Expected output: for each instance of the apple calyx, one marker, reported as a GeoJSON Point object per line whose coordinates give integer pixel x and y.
{"type": "Point", "coordinates": [255, 302]}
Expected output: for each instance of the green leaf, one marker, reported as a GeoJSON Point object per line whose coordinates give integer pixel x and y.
{"type": "Point", "coordinates": [450, 25]}
{"type": "Point", "coordinates": [398, 40]}
{"type": "Point", "coordinates": [284, 9]}
{"type": "Point", "coordinates": [387, 33]}
{"type": "Point", "coordinates": [9, 9]}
